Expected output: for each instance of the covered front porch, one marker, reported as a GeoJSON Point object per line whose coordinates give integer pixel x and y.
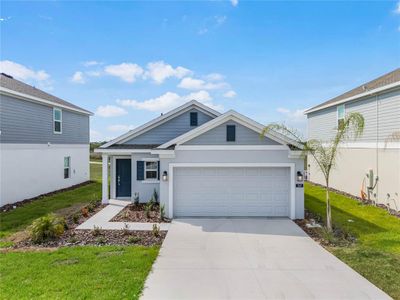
{"type": "Point", "coordinates": [130, 175]}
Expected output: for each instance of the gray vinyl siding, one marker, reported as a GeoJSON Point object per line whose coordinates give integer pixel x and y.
{"type": "Point", "coordinates": [170, 129]}
{"type": "Point", "coordinates": [145, 190]}
{"type": "Point", "coordinates": [381, 114]}
{"type": "Point", "coordinates": [321, 124]}
{"type": "Point", "coordinates": [389, 114]}
{"type": "Point", "coordinates": [217, 136]}
{"type": "Point", "coordinates": [25, 122]}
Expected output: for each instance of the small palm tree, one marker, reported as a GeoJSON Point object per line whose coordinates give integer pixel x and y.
{"type": "Point", "coordinates": [324, 152]}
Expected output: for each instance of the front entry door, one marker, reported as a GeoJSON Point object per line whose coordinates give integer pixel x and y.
{"type": "Point", "coordinates": [123, 177]}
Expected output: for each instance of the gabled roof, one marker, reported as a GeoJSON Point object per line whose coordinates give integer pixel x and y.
{"type": "Point", "coordinates": [19, 89]}
{"type": "Point", "coordinates": [162, 119]}
{"type": "Point", "coordinates": [234, 116]}
{"type": "Point", "coordinates": [384, 82]}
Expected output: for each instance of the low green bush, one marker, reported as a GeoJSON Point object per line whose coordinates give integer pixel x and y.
{"type": "Point", "coordinates": [47, 228]}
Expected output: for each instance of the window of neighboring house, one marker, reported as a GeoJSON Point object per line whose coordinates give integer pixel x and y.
{"type": "Point", "coordinates": [193, 119]}
{"type": "Point", "coordinates": [230, 133]}
{"type": "Point", "coordinates": [151, 170]}
{"type": "Point", "coordinates": [340, 115]}
{"type": "Point", "coordinates": [67, 167]}
{"type": "Point", "coordinates": [57, 120]}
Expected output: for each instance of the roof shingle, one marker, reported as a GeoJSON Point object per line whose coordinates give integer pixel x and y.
{"type": "Point", "coordinates": [8, 82]}
{"type": "Point", "coordinates": [389, 78]}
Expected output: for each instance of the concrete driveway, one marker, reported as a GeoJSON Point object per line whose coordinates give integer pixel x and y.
{"type": "Point", "coordinates": [250, 259]}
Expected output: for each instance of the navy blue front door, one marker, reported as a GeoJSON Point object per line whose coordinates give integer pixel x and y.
{"type": "Point", "coordinates": [123, 184]}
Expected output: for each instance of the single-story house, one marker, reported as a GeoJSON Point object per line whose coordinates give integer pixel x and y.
{"type": "Point", "coordinates": [370, 165]}
{"type": "Point", "coordinates": [44, 142]}
{"type": "Point", "coordinates": [204, 163]}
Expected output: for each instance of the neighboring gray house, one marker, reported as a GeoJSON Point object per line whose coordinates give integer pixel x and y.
{"type": "Point", "coordinates": [44, 142]}
{"type": "Point", "coordinates": [374, 159]}
{"type": "Point", "coordinates": [203, 163]}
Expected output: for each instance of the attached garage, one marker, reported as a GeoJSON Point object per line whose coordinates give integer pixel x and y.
{"type": "Point", "coordinates": [237, 191]}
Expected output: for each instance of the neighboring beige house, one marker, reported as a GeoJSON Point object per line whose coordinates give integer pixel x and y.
{"type": "Point", "coordinates": [372, 162]}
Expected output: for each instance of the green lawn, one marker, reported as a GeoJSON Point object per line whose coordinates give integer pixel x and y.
{"type": "Point", "coordinates": [87, 272]}
{"type": "Point", "coordinates": [76, 273]}
{"type": "Point", "coordinates": [21, 217]}
{"type": "Point", "coordinates": [376, 254]}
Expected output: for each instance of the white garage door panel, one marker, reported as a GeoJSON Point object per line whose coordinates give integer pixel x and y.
{"type": "Point", "coordinates": [231, 191]}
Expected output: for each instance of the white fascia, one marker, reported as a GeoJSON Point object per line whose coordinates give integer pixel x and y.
{"type": "Point", "coordinates": [368, 93]}
{"type": "Point", "coordinates": [162, 119]}
{"type": "Point", "coordinates": [230, 115]}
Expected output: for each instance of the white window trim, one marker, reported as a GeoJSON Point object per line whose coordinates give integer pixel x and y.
{"type": "Point", "coordinates": [69, 167]}
{"type": "Point", "coordinates": [337, 113]}
{"type": "Point", "coordinates": [54, 120]}
{"type": "Point", "coordinates": [150, 180]}
{"type": "Point", "coordinates": [292, 166]}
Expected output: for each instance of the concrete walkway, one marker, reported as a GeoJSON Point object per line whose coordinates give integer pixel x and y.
{"type": "Point", "coordinates": [250, 259]}
{"type": "Point", "coordinates": [103, 217]}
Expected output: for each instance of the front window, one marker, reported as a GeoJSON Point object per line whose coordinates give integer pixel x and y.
{"type": "Point", "coordinates": [57, 120]}
{"type": "Point", "coordinates": [340, 115]}
{"type": "Point", "coordinates": [67, 167]}
{"type": "Point", "coordinates": [151, 170]}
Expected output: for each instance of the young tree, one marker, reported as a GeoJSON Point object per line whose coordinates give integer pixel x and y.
{"type": "Point", "coordinates": [324, 152]}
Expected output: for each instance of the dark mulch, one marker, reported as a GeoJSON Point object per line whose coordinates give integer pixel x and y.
{"type": "Point", "coordinates": [363, 201]}
{"type": "Point", "coordinates": [100, 238]}
{"type": "Point", "coordinates": [320, 234]}
{"type": "Point", "coordinates": [136, 213]}
{"type": "Point", "coordinates": [73, 237]}
{"type": "Point", "coordinates": [8, 207]}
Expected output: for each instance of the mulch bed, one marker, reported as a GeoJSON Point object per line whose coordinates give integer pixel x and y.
{"type": "Point", "coordinates": [99, 237]}
{"type": "Point", "coordinates": [359, 199]}
{"type": "Point", "coordinates": [8, 207]}
{"type": "Point", "coordinates": [318, 234]}
{"type": "Point", "coordinates": [136, 213]}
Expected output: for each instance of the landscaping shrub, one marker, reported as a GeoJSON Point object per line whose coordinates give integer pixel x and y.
{"type": "Point", "coordinates": [155, 196]}
{"type": "Point", "coordinates": [162, 212]}
{"type": "Point", "coordinates": [96, 230]}
{"type": "Point", "coordinates": [134, 239]}
{"type": "Point", "coordinates": [156, 230]}
{"type": "Point", "coordinates": [147, 209]}
{"type": "Point", "coordinates": [47, 228]}
{"type": "Point", "coordinates": [85, 212]}
{"type": "Point", "coordinates": [75, 218]}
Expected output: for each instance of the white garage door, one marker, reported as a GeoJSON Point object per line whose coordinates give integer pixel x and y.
{"type": "Point", "coordinates": [231, 191]}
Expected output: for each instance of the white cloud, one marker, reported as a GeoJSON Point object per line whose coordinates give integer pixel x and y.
{"type": "Point", "coordinates": [397, 9]}
{"type": "Point", "coordinates": [120, 128]}
{"type": "Point", "coordinates": [161, 103]}
{"type": "Point", "coordinates": [95, 136]}
{"type": "Point", "coordinates": [214, 77]}
{"type": "Point", "coordinates": [108, 111]}
{"type": "Point", "coordinates": [78, 77]}
{"type": "Point", "coordinates": [230, 94]}
{"type": "Point", "coordinates": [234, 2]}
{"type": "Point", "coordinates": [169, 101]}
{"type": "Point", "coordinates": [190, 83]}
{"type": "Point", "coordinates": [21, 72]}
{"type": "Point", "coordinates": [5, 19]}
{"type": "Point", "coordinates": [292, 115]}
{"type": "Point", "coordinates": [202, 31]}
{"type": "Point", "coordinates": [126, 71]}
{"type": "Point", "coordinates": [93, 73]}
{"type": "Point", "coordinates": [159, 71]}
{"type": "Point", "coordinates": [91, 63]}
{"type": "Point", "coordinates": [220, 20]}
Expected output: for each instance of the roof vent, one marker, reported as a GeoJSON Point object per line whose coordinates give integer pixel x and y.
{"type": "Point", "coordinates": [364, 87]}
{"type": "Point", "coordinates": [9, 76]}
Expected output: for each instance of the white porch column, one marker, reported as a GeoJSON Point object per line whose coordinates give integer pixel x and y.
{"type": "Point", "coordinates": [104, 198]}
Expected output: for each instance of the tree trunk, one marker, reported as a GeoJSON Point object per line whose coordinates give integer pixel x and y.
{"type": "Point", "coordinates": [328, 209]}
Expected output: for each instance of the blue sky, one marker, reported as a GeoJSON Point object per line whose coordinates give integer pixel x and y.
{"type": "Point", "coordinates": [129, 61]}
